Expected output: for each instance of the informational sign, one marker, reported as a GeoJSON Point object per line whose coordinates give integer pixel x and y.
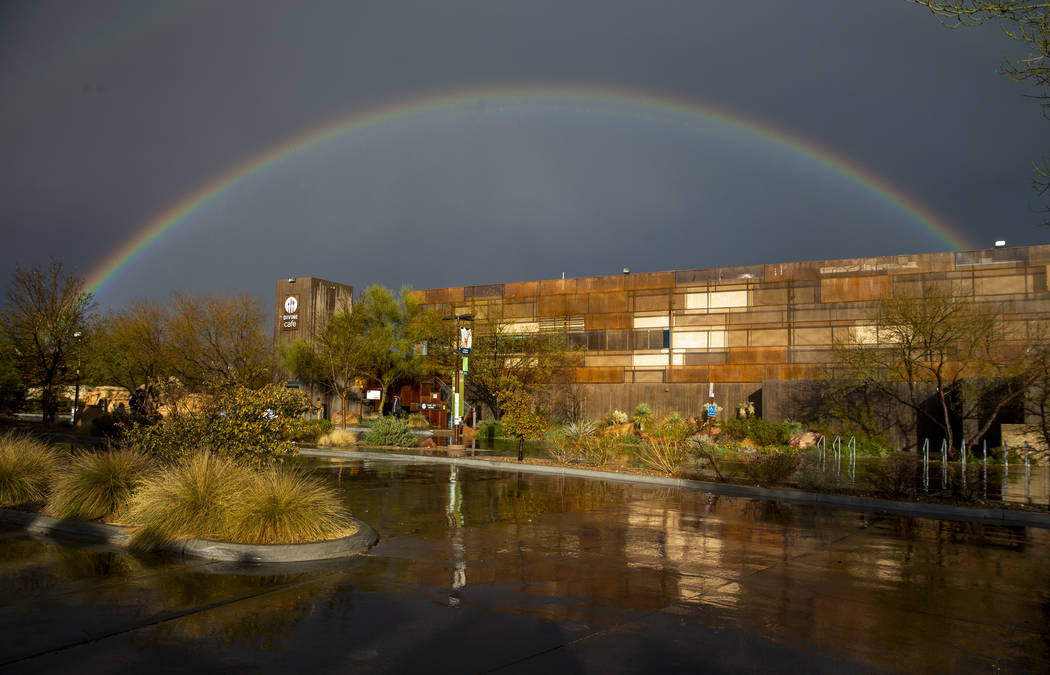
{"type": "Point", "coordinates": [712, 410]}
{"type": "Point", "coordinates": [290, 318]}
{"type": "Point", "coordinates": [374, 395]}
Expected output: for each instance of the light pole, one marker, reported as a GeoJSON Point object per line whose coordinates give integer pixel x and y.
{"type": "Point", "coordinates": [460, 375]}
{"type": "Point", "coordinates": [76, 389]}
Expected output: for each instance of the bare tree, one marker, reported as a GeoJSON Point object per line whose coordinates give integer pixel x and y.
{"type": "Point", "coordinates": [46, 308]}
{"type": "Point", "coordinates": [942, 349]}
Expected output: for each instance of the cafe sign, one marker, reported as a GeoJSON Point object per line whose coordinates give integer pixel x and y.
{"type": "Point", "coordinates": [290, 317]}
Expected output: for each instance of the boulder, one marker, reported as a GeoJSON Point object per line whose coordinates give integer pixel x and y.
{"type": "Point", "coordinates": [804, 440]}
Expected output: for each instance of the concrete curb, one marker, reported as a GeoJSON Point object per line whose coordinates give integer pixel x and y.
{"type": "Point", "coordinates": [866, 504]}
{"type": "Point", "coordinates": [254, 554]}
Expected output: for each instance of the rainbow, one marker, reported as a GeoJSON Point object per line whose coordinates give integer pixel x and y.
{"type": "Point", "coordinates": [575, 98]}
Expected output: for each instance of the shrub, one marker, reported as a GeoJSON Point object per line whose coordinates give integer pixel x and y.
{"type": "Point", "coordinates": [664, 454]}
{"type": "Point", "coordinates": [701, 446]}
{"type": "Point", "coordinates": [490, 429]}
{"type": "Point", "coordinates": [642, 415]}
{"type": "Point", "coordinates": [762, 432]}
{"type": "Point", "coordinates": [310, 431]}
{"type": "Point", "coordinates": [616, 417]}
{"type": "Point", "coordinates": [418, 421]}
{"type": "Point", "coordinates": [250, 425]}
{"type": "Point", "coordinates": [339, 438]}
{"type": "Point", "coordinates": [285, 505]}
{"type": "Point", "coordinates": [566, 444]}
{"type": "Point", "coordinates": [771, 466]}
{"type": "Point", "coordinates": [98, 485]}
{"type": "Point", "coordinates": [390, 431]}
{"type": "Point", "coordinates": [26, 469]}
{"type": "Point", "coordinates": [191, 498]}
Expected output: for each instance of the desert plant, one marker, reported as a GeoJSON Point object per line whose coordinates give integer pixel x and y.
{"type": "Point", "coordinates": [616, 417]}
{"type": "Point", "coordinates": [286, 505]}
{"type": "Point", "coordinates": [566, 444]}
{"type": "Point", "coordinates": [391, 431]}
{"type": "Point", "coordinates": [339, 438]}
{"type": "Point", "coordinates": [702, 447]}
{"type": "Point", "coordinates": [642, 415]}
{"type": "Point", "coordinates": [598, 450]}
{"type": "Point", "coordinates": [664, 453]}
{"type": "Point", "coordinates": [762, 432]}
{"type": "Point", "coordinates": [192, 497]}
{"type": "Point", "coordinates": [771, 466]}
{"type": "Point", "coordinates": [418, 421]}
{"type": "Point", "coordinates": [26, 469]}
{"type": "Point", "coordinates": [673, 426]}
{"type": "Point", "coordinates": [98, 485]}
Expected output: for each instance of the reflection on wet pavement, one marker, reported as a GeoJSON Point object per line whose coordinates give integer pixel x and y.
{"type": "Point", "coordinates": [479, 570]}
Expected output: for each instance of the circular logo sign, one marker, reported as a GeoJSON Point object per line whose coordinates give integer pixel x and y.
{"type": "Point", "coordinates": [291, 304]}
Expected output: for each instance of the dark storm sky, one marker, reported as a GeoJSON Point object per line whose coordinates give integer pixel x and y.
{"type": "Point", "coordinates": [111, 112]}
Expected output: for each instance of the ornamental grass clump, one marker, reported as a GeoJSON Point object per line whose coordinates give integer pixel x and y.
{"type": "Point", "coordinates": [664, 453]}
{"type": "Point", "coordinates": [193, 497]}
{"type": "Point", "coordinates": [286, 505]}
{"type": "Point", "coordinates": [26, 469]}
{"type": "Point", "coordinates": [98, 485]}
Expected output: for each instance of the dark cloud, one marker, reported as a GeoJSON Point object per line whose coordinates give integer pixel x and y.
{"type": "Point", "coordinates": [110, 112]}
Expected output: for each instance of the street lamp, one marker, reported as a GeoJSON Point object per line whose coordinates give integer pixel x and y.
{"type": "Point", "coordinates": [464, 350]}
{"type": "Point", "coordinates": [76, 389]}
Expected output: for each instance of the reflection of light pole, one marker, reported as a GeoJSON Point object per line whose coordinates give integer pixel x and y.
{"type": "Point", "coordinates": [76, 389]}
{"type": "Point", "coordinates": [460, 377]}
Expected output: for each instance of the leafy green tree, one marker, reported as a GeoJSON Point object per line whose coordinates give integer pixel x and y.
{"type": "Point", "coordinates": [1027, 22]}
{"type": "Point", "coordinates": [386, 329]}
{"type": "Point", "coordinates": [45, 309]}
{"type": "Point", "coordinates": [521, 418]}
{"type": "Point", "coordinates": [333, 358]}
{"type": "Point", "coordinates": [12, 389]}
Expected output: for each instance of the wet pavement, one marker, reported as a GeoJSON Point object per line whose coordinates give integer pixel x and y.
{"type": "Point", "coordinates": [481, 571]}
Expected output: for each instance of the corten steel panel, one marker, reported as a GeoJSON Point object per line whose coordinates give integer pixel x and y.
{"type": "Point", "coordinates": [607, 302]}
{"type": "Point", "coordinates": [592, 360]}
{"type": "Point", "coordinates": [557, 286]}
{"type": "Point", "coordinates": [649, 281]}
{"type": "Point", "coordinates": [1000, 285]}
{"type": "Point", "coordinates": [598, 284]}
{"type": "Point", "coordinates": [854, 289]}
{"type": "Point", "coordinates": [799, 271]}
{"type": "Point", "coordinates": [764, 355]}
{"type": "Point", "coordinates": [646, 375]}
{"type": "Point", "coordinates": [486, 291]}
{"type": "Point", "coordinates": [558, 305]}
{"type": "Point", "coordinates": [736, 338]}
{"type": "Point", "coordinates": [773, 337]}
{"type": "Point", "coordinates": [736, 373]}
{"type": "Point", "coordinates": [688, 374]}
{"type": "Point", "coordinates": [652, 303]}
{"type": "Point", "coordinates": [611, 321]}
{"type": "Point", "coordinates": [812, 355]}
{"type": "Point", "coordinates": [752, 317]}
{"type": "Point", "coordinates": [521, 289]}
{"type": "Point", "coordinates": [519, 310]}
{"type": "Point", "coordinates": [704, 358]}
{"type": "Point", "coordinates": [1038, 255]}
{"type": "Point", "coordinates": [608, 375]}
{"type": "Point", "coordinates": [770, 296]}
{"type": "Point", "coordinates": [700, 319]}
{"type": "Point", "coordinates": [805, 293]}
{"type": "Point", "coordinates": [815, 336]}
{"type": "Point", "coordinates": [795, 371]}
{"type": "Point", "coordinates": [419, 296]}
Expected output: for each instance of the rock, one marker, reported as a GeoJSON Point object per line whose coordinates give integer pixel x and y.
{"type": "Point", "coordinates": [428, 443]}
{"type": "Point", "coordinates": [806, 439]}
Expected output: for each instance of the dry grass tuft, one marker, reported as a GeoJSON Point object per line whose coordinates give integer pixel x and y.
{"type": "Point", "coordinates": [285, 505]}
{"type": "Point", "coordinates": [27, 467]}
{"type": "Point", "coordinates": [98, 485]}
{"type": "Point", "coordinates": [193, 497]}
{"type": "Point", "coordinates": [339, 438]}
